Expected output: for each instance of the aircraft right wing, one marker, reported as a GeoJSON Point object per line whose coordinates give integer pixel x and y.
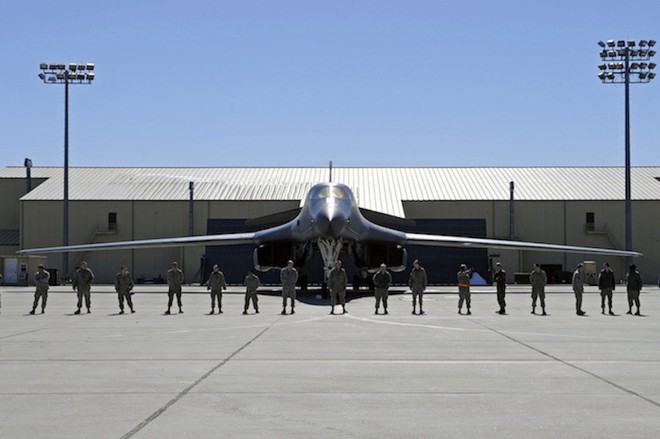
{"type": "Point", "coordinates": [464, 242]}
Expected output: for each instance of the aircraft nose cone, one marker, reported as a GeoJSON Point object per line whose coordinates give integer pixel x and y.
{"type": "Point", "coordinates": [331, 224]}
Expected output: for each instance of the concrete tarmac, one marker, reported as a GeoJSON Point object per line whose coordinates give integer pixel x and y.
{"type": "Point", "coordinates": [148, 375]}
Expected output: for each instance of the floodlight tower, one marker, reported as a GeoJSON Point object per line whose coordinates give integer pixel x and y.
{"type": "Point", "coordinates": [63, 74]}
{"type": "Point", "coordinates": [626, 62]}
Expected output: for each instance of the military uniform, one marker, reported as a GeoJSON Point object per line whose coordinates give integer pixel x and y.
{"type": "Point", "coordinates": [578, 289]}
{"type": "Point", "coordinates": [174, 283]}
{"type": "Point", "coordinates": [123, 286]}
{"type": "Point", "coordinates": [382, 281]}
{"type": "Point", "coordinates": [634, 286]}
{"type": "Point", "coordinates": [337, 282]}
{"type": "Point", "coordinates": [288, 279]}
{"type": "Point", "coordinates": [606, 285]}
{"type": "Point", "coordinates": [463, 278]}
{"type": "Point", "coordinates": [538, 282]}
{"type": "Point", "coordinates": [41, 280]}
{"type": "Point", "coordinates": [499, 278]}
{"type": "Point", "coordinates": [417, 281]}
{"type": "Point", "coordinates": [82, 282]}
{"type": "Point", "coordinates": [252, 282]}
{"type": "Point", "coordinates": [216, 284]}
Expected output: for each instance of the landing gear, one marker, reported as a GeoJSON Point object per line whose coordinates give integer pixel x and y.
{"type": "Point", "coordinates": [330, 249]}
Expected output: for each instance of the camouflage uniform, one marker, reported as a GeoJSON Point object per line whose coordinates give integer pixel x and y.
{"type": "Point", "coordinates": [288, 279]}
{"type": "Point", "coordinates": [337, 282]}
{"type": "Point", "coordinates": [174, 283]}
{"type": "Point", "coordinates": [382, 281]}
{"type": "Point", "coordinates": [634, 286]}
{"type": "Point", "coordinates": [123, 286]}
{"type": "Point", "coordinates": [252, 282]}
{"type": "Point", "coordinates": [41, 280]}
{"type": "Point", "coordinates": [463, 278]}
{"type": "Point", "coordinates": [417, 283]}
{"type": "Point", "coordinates": [216, 284]}
{"type": "Point", "coordinates": [82, 282]}
{"type": "Point", "coordinates": [538, 280]}
{"type": "Point", "coordinates": [499, 278]}
{"type": "Point", "coordinates": [578, 289]}
{"type": "Point", "coordinates": [606, 285]}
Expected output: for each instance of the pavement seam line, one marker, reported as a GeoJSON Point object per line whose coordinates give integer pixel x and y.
{"type": "Point", "coordinates": [20, 333]}
{"type": "Point", "coordinates": [185, 391]}
{"type": "Point", "coordinates": [592, 374]}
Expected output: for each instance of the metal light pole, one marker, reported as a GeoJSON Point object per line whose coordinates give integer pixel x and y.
{"type": "Point", "coordinates": [62, 74]}
{"type": "Point", "coordinates": [28, 175]}
{"type": "Point", "coordinates": [626, 62]}
{"type": "Point", "coordinates": [191, 206]}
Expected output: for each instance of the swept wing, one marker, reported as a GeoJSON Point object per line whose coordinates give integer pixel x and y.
{"type": "Point", "coordinates": [464, 242]}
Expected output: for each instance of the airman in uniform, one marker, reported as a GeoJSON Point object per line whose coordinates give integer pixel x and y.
{"type": "Point", "coordinates": [288, 277]}
{"type": "Point", "coordinates": [499, 279]}
{"type": "Point", "coordinates": [174, 283]}
{"type": "Point", "coordinates": [634, 286]}
{"type": "Point", "coordinates": [382, 281]}
{"type": "Point", "coordinates": [41, 278]}
{"type": "Point", "coordinates": [252, 282]}
{"type": "Point", "coordinates": [82, 282]}
{"type": "Point", "coordinates": [538, 279]}
{"type": "Point", "coordinates": [606, 285]}
{"type": "Point", "coordinates": [578, 288]}
{"type": "Point", "coordinates": [124, 286]}
{"type": "Point", "coordinates": [463, 277]}
{"type": "Point", "coordinates": [337, 282]}
{"type": "Point", "coordinates": [216, 284]}
{"type": "Point", "coordinates": [417, 283]}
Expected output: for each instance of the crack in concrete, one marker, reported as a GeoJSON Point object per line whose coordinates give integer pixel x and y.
{"type": "Point", "coordinates": [185, 391]}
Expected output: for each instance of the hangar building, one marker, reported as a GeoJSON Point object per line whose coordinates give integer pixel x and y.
{"type": "Point", "coordinates": [572, 205]}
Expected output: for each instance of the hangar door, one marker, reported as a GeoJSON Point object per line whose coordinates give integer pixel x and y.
{"type": "Point", "coordinates": [441, 263]}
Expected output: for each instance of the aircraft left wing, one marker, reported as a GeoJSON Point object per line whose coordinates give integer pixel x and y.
{"type": "Point", "coordinates": [225, 239]}
{"type": "Point", "coordinates": [464, 242]}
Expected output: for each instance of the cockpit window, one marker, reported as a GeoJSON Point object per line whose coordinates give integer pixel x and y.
{"type": "Point", "coordinates": [329, 192]}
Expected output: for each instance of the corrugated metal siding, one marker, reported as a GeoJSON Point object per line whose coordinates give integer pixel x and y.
{"type": "Point", "coordinates": [379, 189]}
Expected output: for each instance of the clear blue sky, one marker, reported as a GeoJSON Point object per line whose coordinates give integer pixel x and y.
{"type": "Point", "coordinates": [362, 83]}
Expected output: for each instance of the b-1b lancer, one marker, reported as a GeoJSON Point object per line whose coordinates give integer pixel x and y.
{"type": "Point", "coordinates": [331, 221]}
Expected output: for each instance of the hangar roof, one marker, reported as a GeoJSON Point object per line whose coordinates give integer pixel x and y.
{"type": "Point", "coordinates": [379, 189]}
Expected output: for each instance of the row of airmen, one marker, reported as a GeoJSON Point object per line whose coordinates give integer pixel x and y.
{"type": "Point", "coordinates": [337, 284]}
{"type": "Point", "coordinates": [83, 279]}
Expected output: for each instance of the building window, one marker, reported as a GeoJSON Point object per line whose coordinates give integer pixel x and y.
{"type": "Point", "coordinates": [112, 221]}
{"type": "Point", "coordinates": [591, 221]}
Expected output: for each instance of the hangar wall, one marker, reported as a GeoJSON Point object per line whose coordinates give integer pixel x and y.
{"type": "Point", "coordinates": [559, 222]}
{"type": "Point", "coordinates": [88, 223]}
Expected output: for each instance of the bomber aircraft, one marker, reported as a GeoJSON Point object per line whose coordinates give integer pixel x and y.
{"type": "Point", "coordinates": [331, 221]}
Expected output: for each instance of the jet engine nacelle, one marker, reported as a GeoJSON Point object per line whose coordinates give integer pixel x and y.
{"type": "Point", "coordinates": [273, 256]}
{"type": "Point", "coordinates": [371, 255]}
